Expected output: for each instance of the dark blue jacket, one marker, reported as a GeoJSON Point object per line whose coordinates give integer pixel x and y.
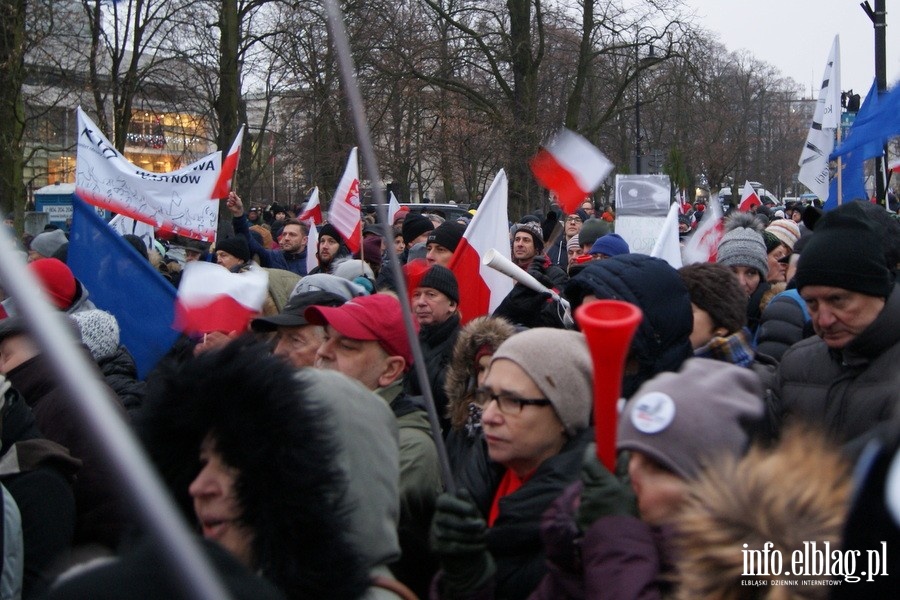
{"type": "Point", "coordinates": [272, 259]}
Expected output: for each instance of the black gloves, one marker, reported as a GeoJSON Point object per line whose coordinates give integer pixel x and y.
{"type": "Point", "coordinates": [458, 538]}
{"type": "Point", "coordinates": [603, 494]}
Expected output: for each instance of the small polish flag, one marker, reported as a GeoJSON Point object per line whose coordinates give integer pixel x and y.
{"type": "Point", "coordinates": [344, 210]}
{"type": "Point", "coordinates": [211, 298]}
{"type": "Point", "coordinates": [313, 210]}
{"type": "Point", "coordinates": [482, 288]}
{"type": "Point", "coordinates": [229, 167]}
{"type": "Point", "coordinates": [312, 247]}
{"type": "Point", "coordinates": [704, 243]}
{"type": "Point", "coordinates": [571, 167]}
{"type": "Point", "coordinates": [749, 199]}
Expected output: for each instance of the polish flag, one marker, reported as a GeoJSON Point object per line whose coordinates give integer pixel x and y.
{"type": "Point", "coordinates": [704, 243]}
{"type": "Point", "coordinates": [344, 211]}
{"type": "Point", "coordinates": [481, 288]}
{"type": "Point", "coordinates": [229, 167]}
{"type": "Point", "coordinates": [313, 209]}
{"type": "Point", "coordinates": [312, 247]}
{"type": "Point", "coordinates": [571, 167]}
{"type": "Point", "coordinates": [667, 246]}
{"type": "Point", "coordinates": [749, 199]}
{"type": "Point", "coordinates": [211, 298]}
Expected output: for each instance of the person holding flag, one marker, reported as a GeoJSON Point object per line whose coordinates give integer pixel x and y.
{"type": "Point", "coordinates": [291, 256]}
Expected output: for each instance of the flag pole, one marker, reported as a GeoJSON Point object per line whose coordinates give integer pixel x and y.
{"type": "Point", "coordinates": [840, 169]}
{"type": "Point", "coordinates": [143, 488]}
{"type": "Point", "coordinates": [354, 99]}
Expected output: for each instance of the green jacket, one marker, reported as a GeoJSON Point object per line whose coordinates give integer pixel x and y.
{"type": "Point", "coordinates": [420, 484]}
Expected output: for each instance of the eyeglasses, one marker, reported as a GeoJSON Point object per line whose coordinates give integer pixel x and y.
{"type": "Point", "coordinates": [573, 219]}
{"type": "Point", "coordinates": [509, 404]}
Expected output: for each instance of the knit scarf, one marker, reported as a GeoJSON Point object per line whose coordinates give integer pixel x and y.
{"type": "Point", "coordinates": [735, 349]}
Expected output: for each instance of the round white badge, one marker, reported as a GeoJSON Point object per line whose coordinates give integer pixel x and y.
{"type": "Point", "coordinates": [653, 412]}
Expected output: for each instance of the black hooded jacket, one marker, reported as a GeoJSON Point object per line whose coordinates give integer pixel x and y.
{"type": "Point", "coordinates": [662, 340]}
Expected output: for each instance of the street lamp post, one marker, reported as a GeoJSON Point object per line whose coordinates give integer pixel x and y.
{"type": "Point", "coordinates": [640, 64]}
{"type": "Point", "coordinates": [877, 17]}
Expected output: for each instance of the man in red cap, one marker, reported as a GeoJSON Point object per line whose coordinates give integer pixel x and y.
{"type": "Point", "coordinates": [366, 340]}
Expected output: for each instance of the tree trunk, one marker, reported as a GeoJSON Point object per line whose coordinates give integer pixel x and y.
{"type": "Point", "coordinates": [523, 192]}
{"type": "Point", "coordinates": [226, 104]}
{"type": "Point", "coordinates": [12, 109]}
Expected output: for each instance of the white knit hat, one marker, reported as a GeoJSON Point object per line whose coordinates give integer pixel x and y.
{"type": "Point", "coordinates": [785, 230]}
{"type": "Point", "coordinates": [99, 331]}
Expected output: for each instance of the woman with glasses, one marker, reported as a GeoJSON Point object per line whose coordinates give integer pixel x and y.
{"type": "Point", "coordinates": [536, 401]}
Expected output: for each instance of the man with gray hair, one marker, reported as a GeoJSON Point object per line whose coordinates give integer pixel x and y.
{"type": "Point", "coordinates": [845, 378]}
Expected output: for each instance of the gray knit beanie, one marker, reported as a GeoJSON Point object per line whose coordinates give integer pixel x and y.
{"type": "Point", "coordinates": [743, 245]}
{"type": "Point", "coordinates": [47, 243]}
{"type": "Point", "coordinates": [564, 375]}
{"type": "Point", "coordinates": [685, 420]}
{"type": "Point", "coordinates": [99, 331]}
{"type": "Point", "coordinates": [592, 230]}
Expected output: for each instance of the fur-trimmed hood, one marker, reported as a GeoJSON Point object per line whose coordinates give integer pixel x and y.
{"type": "Point", "coordinates": [265, 426]}
{"type": "Point", "coordinates": [797, 492]}
{"type": "Point", "coordinates": [460, 381]}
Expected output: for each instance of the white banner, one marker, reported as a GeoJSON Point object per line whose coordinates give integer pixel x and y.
{"type": "Point", "coordinates": [179, 202]}
{"type": "Point", "coordinates": [814, 169]}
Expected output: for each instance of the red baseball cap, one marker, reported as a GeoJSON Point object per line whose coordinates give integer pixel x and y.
{"type": "Point", "coordinates": [372, 318]}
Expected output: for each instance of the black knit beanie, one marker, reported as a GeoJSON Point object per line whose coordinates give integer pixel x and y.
{"type": "Point", "coordinates": [415, 225]}
{"type": "Point", "coordinates": [447, 235]}
{"type": "Point", "coordinates": [443, 280]}
{"type": "Point", "coordinates": [236, 246]}
{"type": "Point", "coordinates": [846, 252]}
{"type": "Point", "coordinates": [331, 231]}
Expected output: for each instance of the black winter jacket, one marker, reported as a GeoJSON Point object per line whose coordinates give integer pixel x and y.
{"type": "Point", "coordinates": [437, 348]}
{"type": "Point", "coordinates": [120, 373]}
{"type": "Point", "coordinates": [514, 541]}
{"type": "Point", "coordinates": [847, 391]}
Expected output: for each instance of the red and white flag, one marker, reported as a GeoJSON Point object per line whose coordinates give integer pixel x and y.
{"type": "Point", "coordinates": [749, 199]}
{"type": "Point", "coordinates": [704, 243]}
{"type": "Point", "coordinates": [482, 288]}
{"type": "Point", "coordinates": [229, 167]}
{"type": "Point", "coordinates": [312, 247]}
{"type": "Point", "coordinates": [571, 167]}
{"type": "Point", "coordinates": [344, 210]}
{"type": "Point", "coordinates": [313, 210]}
{"type": "Point", "coordinates": [211, 298]}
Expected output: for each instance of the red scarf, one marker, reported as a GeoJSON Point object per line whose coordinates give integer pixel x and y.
{"type": "Point", "coordinates": [509, 484]}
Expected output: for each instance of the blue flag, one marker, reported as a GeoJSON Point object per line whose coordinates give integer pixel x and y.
{"type": "Point", "coordinates": [124, 283]}
{"type": "Point", "coordinates": [876, 126]}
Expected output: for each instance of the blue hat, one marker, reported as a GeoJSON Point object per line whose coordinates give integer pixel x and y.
{"type": "Point", "coordinates": [610, 244]}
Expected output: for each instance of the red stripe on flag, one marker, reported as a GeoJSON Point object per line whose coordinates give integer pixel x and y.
{"type": "Point", "coordinates": [474, 294]}
{"type": "Point", "coordinates": [222, 313]}
{"type": "Point", "coordinates": [552, 175]}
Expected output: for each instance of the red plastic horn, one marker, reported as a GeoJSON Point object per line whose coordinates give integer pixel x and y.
{"type": "Point", "coordinates": [608, 326]}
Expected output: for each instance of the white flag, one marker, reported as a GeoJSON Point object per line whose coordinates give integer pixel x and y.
{"type": "Point", "coordinates": [827, 118]}
{"type": "Point", "coordinates": [312, 246]}
{"type": "Point", "coordinates": [667, 246]}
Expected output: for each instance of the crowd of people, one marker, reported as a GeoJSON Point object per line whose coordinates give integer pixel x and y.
{"type": "Point", "coordinates": [758, 419]}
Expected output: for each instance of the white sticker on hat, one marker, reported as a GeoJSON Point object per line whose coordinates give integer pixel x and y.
{"type": "Point", "coordinates": [653, 412]}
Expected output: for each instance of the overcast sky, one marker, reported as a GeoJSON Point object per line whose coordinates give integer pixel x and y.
{"type": "Point", "coordinates": [796, 35]}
